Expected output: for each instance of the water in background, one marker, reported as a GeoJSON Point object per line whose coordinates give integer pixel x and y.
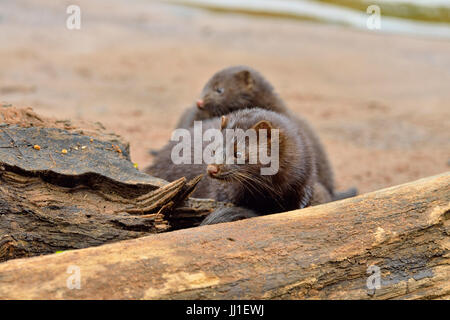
{"type": "Point", "coordinates": [414, 17]}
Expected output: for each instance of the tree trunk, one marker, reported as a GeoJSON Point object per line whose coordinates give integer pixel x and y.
{"type": "Point", "coordinates": [88, 195]}
{"type": "Point", "coordinates": [321, 252]}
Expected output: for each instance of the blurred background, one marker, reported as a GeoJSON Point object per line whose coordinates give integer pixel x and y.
{"type": "Point", "coordinates": [379, 98]}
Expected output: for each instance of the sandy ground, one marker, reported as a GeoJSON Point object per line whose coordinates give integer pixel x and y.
{"type": "Point", "coordinates": [381, 103]}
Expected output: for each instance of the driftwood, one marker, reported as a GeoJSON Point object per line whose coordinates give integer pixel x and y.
{"type": "Point", "coordinates": [314, 253]}
{"type": "Point", "coordinates": [68, 186]}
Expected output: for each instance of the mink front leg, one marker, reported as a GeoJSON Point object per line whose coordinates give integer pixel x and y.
{"type": "Point", "coordinates": [228, 215]}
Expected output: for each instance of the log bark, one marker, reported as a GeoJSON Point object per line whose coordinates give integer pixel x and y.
{"type": "Point", "coordinates": [321, 252]}
{"type": "Point", "coordinates": [38, 217]}
{"type": "Point", "coordinates": [89, 195]}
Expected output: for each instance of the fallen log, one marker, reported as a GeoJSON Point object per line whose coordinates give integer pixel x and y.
{"type": "Point", "coordinates": [67, 185]}
{"type": "Point", "coordinates": [322, 252]}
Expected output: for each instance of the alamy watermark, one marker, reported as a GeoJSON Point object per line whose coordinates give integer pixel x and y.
{"type": "Point", "coordinates": [374, 280]}
{"type": "Point", "coordinates": [73, 21]}
{"type": "Point", "coordinates": [74, 280]}
{"type": "Point", "coordinates": [374, 20]}
{"type": "Point", "coordinates": [236, 146]}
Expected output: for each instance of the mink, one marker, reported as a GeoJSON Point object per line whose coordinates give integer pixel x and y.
{"type": "Point", "coordinates": [231, 89]}
{"type": "Point", "coordinates": [241, 87]}
{"type": "Point", "coordinates": [295, 185]}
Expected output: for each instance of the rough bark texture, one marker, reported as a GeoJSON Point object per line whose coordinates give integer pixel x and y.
{"type": "Point", "coordinates": [314, 253]}
{"type": "Point", "coordinates": [89, 195]}
{"type": "Point", "coordinates": [37, 217]}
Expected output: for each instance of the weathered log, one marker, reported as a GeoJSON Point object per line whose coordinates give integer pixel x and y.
{"type": "Point", "coordinates": [314, 253]}
{"type": "Point", "coordinates": [87, 195]}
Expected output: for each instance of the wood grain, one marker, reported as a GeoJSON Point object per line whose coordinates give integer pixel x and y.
{"type": "Point", "coordinates": [320, 252]}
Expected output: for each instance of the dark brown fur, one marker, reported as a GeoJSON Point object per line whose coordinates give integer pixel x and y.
{"type": "Point", "coordinates": [245, 88]}
{"type": "Point", "coordinates": [294, 186]}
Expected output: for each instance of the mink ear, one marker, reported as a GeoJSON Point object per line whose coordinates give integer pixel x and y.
{"type": "Point", "coordinates": [224, 122]}
{"type": "Point", "coordinates": [246, 77]}
{"type": "Point", "coordinates": [263, 124]}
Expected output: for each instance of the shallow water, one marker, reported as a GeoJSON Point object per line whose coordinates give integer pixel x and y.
{"type": "Point", "coordinates": [418, 10]}
{"type": "Point", "coordinates": [415, 17]}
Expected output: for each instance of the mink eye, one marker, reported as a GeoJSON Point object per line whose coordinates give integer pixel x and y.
{"type": "Point", "coordinates": [220, 90]}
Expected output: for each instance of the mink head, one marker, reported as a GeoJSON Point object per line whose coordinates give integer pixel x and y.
{"type": "Point", "coordinates": [239, 161]}
{"type": "Point", "coordinates": [236, 88]}
{"type": "Point", "coordinates": [239, 156]}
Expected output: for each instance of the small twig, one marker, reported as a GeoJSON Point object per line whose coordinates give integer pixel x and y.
{"type": "Point", "coordinates": [54, 162]}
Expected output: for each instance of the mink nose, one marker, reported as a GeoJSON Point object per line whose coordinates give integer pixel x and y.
{"type": "Point", "coordinates": [200, 103]}
{"type": "Point", "coordinates": [212, 169]}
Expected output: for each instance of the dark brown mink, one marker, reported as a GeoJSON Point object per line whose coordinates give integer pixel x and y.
{"type": "Point", "coordinates": [241, 87]}
{"type": "Point", "coordinates": [231, 89]}
{"type": "Point", "coordinates": [293, 186]}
